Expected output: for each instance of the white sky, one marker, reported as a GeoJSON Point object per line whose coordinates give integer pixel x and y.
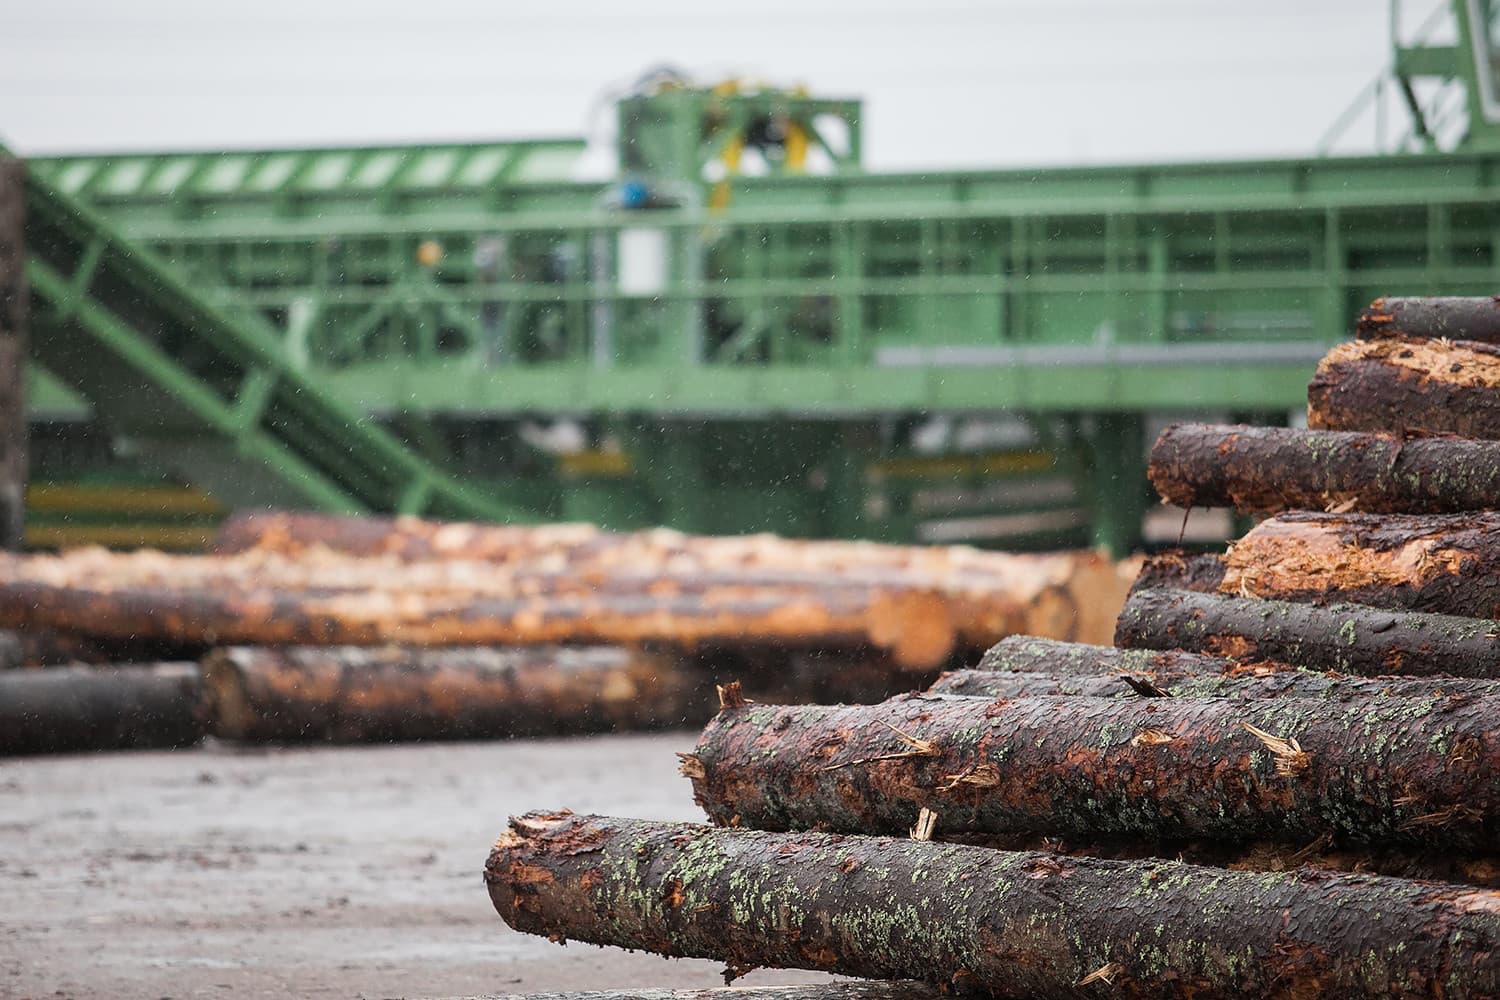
{"type": "Point", "coordinates": [947, 84]}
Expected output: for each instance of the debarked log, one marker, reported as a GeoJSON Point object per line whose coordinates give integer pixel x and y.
{"type": "Point", "coordinates": [1423, 772]}
{"type": "Point", "coordinates": [1007, 924]}
{"type": "Point", "coordinates": [356, 694]}
{"type": "Point", "coordinates": [1272, 469]}
{"type": "Point", "coordinates": [1452, 317]}
{"type": "Point", "coordinates": [1412, 387]}
{"type": "Point", "coordinates": [1349, 638]}
{"type": "Point", "coordinates": [79, 708]}
{"type": "Point", "coordinates": [1444, 563]}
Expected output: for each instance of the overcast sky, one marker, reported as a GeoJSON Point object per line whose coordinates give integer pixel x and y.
{"type": "Point", "coordinates": [951, 83]}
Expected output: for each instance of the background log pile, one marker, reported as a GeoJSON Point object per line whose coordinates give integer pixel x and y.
{"type": "Point", "coordinates": [320, 628]}
{"type": "Point", "coordinates": [1283, 780]}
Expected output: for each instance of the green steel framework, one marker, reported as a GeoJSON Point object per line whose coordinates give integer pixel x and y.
{"type": "Point", "coordinates": [738, 353]}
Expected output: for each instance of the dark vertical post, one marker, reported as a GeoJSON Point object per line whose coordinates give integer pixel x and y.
{"type": "Point", "coordinates": [13, 309]}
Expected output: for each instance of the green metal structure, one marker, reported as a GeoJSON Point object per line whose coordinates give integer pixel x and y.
{"type": "Point", "coordinates": [743, 330]}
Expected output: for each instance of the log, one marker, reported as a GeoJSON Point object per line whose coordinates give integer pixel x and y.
{"type": "Point", "coordinates": [1450, 317]}
{"type": "Point", "coordinates": [1443, 563]}
{"type": "Point", "coordinates": [1408, 387]}
{"type": "Point", "coordinates": [351, 694]}
{"type": "Point", "coordinates": [1251, 682]}
{"type": "Point", "coordinates": [1418, 772]}
{"type": "Point", "coordinates": [1009, 924]}
{"type": "Point", "coordinates": [68, 709]}
{"type": "Point", "coordinates": [1267, 470]}
{"type": "Point", "coordinates": [1349, 638]}
{"type": "Point", "coordinates": [902, 990]}
{"type": "Point", "coordinates": [1032, 655]}
{"type": "Point", "coordinates": [12, 651]}
{"type": "Point", "coordinates": [13, 338]}
{"type": "Point", "coordinates": [1201, 571]}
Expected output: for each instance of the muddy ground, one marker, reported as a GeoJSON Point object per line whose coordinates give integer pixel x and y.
{"type": "Point", "coordinates": [351, 872]}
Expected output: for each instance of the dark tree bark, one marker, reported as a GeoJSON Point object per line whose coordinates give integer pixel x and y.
{"type": "Point", "coordinates": [1028, 654]}
{"type": "Point", "coordinates": [1349, 638]}
{"type": "Point", "coordinates": [63, 709]}
{"type": "Point", "coordinates": [1445, 563]}
{"type": "Point", "coordinates": [353, 694]}
{"type": "Point", "coordinates": [1181, 571]}
{"type": "Point", "coordinates": [1450, 317]}
{"type": "Point", "coordinates": [902, 990]}
{"type": "Point", "coordinates": [1272, 469]}
{"type": "Point", "coordinates": [1247, 683]}
{"type": "Point", "coordinates": [1008, 924]}
{"type": "Point", "coordinates": [1408, 387]}
{"type": "Point", "coordinates": [1420, 772]}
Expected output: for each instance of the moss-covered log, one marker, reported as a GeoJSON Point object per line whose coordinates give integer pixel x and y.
{"type": "Point", "coordinates": [348, 693]}
{"type": "Point", "coordinates": [1028, 654]}
{"type": "Point", "coordinates": [1445, 563]}
{"type": "Point", "coordinates": [902, 990]}
{"type": "Point", "coordinates": [1349, 638]}
{"type": "Point", "coordinates": [1247, 682]}
{"type": "Point", "coordinates": [1408, 387]}
{"type": "Point", "coordinates": [1202, 571]}
{"type": "Point", "coordinates": [1272, 469]}
{"type": "Point", "coordinates": [1450, 317]}
{"type": "Point", "coordinates": [1009, 924]}
{"type": "Point", "coordinates": [1416, 771]}
{"type": "Point", "coordinates": [65, 709]}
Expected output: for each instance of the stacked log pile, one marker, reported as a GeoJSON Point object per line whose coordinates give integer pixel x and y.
{"type": "Point", "coordinates": [1283, 780]}
{"type": "Point", "coordinates": [321, 628]}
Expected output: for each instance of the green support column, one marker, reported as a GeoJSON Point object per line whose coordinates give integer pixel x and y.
{"type": "Point", "coordinates": [1114, 480]}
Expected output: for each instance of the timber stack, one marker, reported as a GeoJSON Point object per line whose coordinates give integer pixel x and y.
{"type": "Point", "coordinates": [1283, 780]}
{"type": "Point", "coordinates": [354, 629]}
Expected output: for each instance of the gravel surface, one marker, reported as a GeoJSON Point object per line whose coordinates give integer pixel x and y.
{"type": "Point", "coordinates": [351, 872]}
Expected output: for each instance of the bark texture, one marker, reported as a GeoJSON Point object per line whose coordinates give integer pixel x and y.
{"type": "Point", "coordinates": [13, 334]}
{"type": "Point", "coordinates": [1349, 638]}
{"type": "Point", "coordinates": [1272, 469]}
{"type": "Point", "coordinates": [1246, 683]}
{"type": "Point", "coordinates": [1028, 654]}
{"type": "Point", "coordinates": [1420, 772]}
{"type": "Point", "coordinates": [353, 694]}
{"type": "Point", "coordinates": [903, 990]}
{"type": "Point", "coordinates": [63, 709]}
{"type": "Point", "coordinates": [1408, 387]}
{"type": "Point", "coordinates": [1008, 924]}
{"type": "Point", "coordinates": [1449, 317]}
{"type": "Point", "coordinates": [1445, 563]}
{"type": "Point", "coordinates": [1181, 571]}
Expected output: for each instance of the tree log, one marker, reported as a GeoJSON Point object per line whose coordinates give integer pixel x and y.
{"type": "Point", "coordinates": [1202, 572]}
{"type": "Point", "coordinates": [1008, 924]}
{"type": "Point", "coordinates": [1445, 563]}
{"type": "Point", "coordinates": [353, 694]}
{"type": "Point", "coordinates": [1272, 469]}
{"type": "Point", "coordinates": [1349, 638]}
{"type": "Point", "coordinates": [1420, 772]}
{"type": "Point", "coordinates": [1449, 317]}
{"type": "Point", "coordinates": [1250, 682]}
{"type": "Point", "coordinates": [902, 990]}
{"type": "Point", "coordinates": [65, 709]}
{"type": "Point", "coordinates": [1408, 387]}
{"type": "Point", "coordinates": [1028, 654]}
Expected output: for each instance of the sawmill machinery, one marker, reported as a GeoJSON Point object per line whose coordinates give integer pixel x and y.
{"type": "Point", "coordinates": [741, 330]}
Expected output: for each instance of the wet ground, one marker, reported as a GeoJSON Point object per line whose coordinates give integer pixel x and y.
{"type": "Point", "coordinates": [351, 872]}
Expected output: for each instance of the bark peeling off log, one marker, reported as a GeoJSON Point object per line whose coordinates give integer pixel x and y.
{"type": "Point", "coordinates": [1408, 387]}
{"type": "Point", "coordinates": [1272, 469]}
{"type": "Point", "coordinates": [1445, 563]}
{"type": "Point", "coordinates": [1414, 771]}
{"type": "Point", "coordinates": [350, 694]}
{"type": "Point", "coordinates": [1349, 638]}
{"type": "Point", "coordinates": [1029, 654]}
{"type": "Point", "coordinates": [1449, 317]}
{"type": "Point", "coordinates": [1010, 924]}
{"type": "Point", "coordinates": [1250, 682]}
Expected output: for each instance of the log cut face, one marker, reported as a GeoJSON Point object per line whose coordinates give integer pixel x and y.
{"type": "Point", "coordinates": [1444, 563]}
{"type": "Point", "coordinates": [1450, 317]}
{"type": "Point", "coordinates": [1350, 638]}
{"type": "Point", "coordinates": [1272, 469]}
{"type": "Point", "coordinates": [1018, 925]}
{"type": "Point", "coordinates": [1408, 387]}
{"type": "Point", "coordinates": [1413, 771]}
